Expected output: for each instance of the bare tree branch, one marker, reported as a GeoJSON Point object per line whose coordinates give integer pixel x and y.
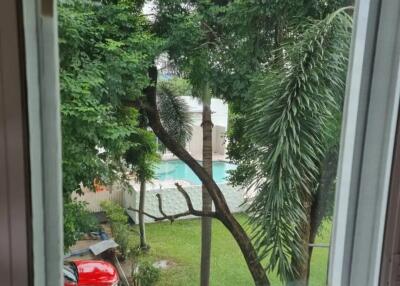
{"type": "Point", "coordinates": [222, 209]}
{"type": "Point", "coordinates": [146, 214]}
{"type": "Point", "coordinates": [186, 196]}
{"type": "Point", "coordinates": [172, 218]}
{"type": "Point", "coordinates": [160, 208]}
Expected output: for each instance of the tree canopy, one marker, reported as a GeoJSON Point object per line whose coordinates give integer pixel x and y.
{"type": "Point", "coordinates": [105, 50]}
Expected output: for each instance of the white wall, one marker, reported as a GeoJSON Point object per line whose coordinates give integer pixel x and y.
{"type": "Point", "coordinates": [195, 144]}
{"type": "Point", "coordinates": [219, 139]}
{"type": "Point", "coordinates": [219, 118]}
{"type": "Point", "coordinates": [219, 109]}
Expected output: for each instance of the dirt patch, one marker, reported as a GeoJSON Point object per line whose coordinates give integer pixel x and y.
{"type": "Point", "coordinates": [127, 268]}
{"type": "Point", "coordinates": [164, 264]}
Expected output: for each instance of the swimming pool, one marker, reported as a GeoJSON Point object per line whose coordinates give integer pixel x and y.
{"type": "Point", "coordinates": [177, 170]}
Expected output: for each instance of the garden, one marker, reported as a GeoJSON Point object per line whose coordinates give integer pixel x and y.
{"type": "Point", "coordinates": [175, 251]}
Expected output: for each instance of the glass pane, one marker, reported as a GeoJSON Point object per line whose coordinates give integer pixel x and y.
{"type": "Point", "coordinates": [201, 139]}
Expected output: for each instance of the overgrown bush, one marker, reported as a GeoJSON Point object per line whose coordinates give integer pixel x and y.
{"type": "Point", "coordinates": [114, 212]}
{"type": "Point", "coordinates": [127, 240]}
{"type": "Point", "coordinates": [122, 233]}
{"type": "Point", "coordinates": [77, 221]}
{"type": "Point", "coordinates": [143, 273]}
{"type": "Point", "coordinates": [146, 275]}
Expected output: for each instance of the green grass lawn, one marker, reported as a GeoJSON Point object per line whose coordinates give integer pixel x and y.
{"type": "Point", "coordinates": [180, 243]}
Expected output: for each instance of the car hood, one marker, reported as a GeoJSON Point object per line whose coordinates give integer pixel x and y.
{"type": "Point", "coordinates": [92, 272]}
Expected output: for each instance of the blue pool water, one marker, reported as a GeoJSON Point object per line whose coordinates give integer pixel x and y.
{"type": "Point", "coordinates": [177, 170]}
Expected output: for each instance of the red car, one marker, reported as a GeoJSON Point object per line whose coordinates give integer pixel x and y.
{"type": "Point", "coordinates": [90, 273]}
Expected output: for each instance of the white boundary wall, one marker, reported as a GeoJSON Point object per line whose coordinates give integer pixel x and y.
{"type": "Point", "coordinates": [174, 202]}
{"type": "Point", "coordinates": [172, 199]}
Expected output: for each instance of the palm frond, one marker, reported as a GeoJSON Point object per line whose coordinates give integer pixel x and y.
{"type": "Point", "coordinates": [174, 113]}
{"type": "Point", "coordinates": [289, 126]}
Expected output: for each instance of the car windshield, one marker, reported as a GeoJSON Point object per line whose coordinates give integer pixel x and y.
{"type": "Point", "coordinates": [70, 272]}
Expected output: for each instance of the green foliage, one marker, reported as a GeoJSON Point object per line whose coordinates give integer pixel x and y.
{"type": "Point", "coordinates": [178, 86]}
{"type": "Point", "coordinates": [174, 111]}
{"type": "Point", "coordinates": [77, 221]}
{"type": "Point", "coordinates": [127, 241]}
{"type": "Point", "coordinates": [250, 33]}
{"type": "Point", "coordinates": [290, 128]}
{"type": "Point", "coordinates": [142, 156]}
{"type": "Point", "coordinates": [184, 25]}
{"type": "Point", "coordinates": [114, 212]}
{"type": "Point", "coordinates": [147, 274]}
{"type": "Point", "coordinates": [225, 48]}
{"type": "Point", "coordinates": [122, 233]}
{"type": "Point", "coordinates": [105, 51]}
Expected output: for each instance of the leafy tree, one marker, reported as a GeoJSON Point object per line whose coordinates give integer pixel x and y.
{"type": "Point", "coordinates": [105, 49]}
{"type": "Point", "coordinates": [143, 155]}
{"type": "Point", "coordinates": [252, 36]}
{"type": "Point", "coordinates": [296, 110]}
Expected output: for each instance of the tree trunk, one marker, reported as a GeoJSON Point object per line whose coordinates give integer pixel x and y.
{"type": "Point", "coordinates": [316, 208]}
{"type": "Point", "coordinates": [324, 197]}
{"type": "Point", "coordinates": [206, 222]}
{"type": "Point", "coordinates": [142, 229]}
{"type": "Point", "coordinates": [221, 207]}
{"type": "Point", "coordinates": [314, 226]}
{"type": "Point", "coordinates": [300, 265]}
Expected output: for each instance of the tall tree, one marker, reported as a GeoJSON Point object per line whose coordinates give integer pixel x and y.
{"type": "Point", "coordinates": [105, 50]}
{"type": "Point", "coordinates": [250, 35]}
{"type": "Point", "coordinates": [189, 42]}
{"type": "Point", "coordinates": [206, 222]}
{"type": "Point", "coordinates": [297, 108]}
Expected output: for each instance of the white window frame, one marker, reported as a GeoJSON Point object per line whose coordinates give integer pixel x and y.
{"type": "Point", "coordinates": [368, 133]}
{"type": "Point", "coordinates": [41, 52]}
{"type": "Point", "coordinates": [371, 108]}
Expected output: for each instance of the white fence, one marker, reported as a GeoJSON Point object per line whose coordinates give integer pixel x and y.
{"type": "Point", "coordinates": [93, 199]}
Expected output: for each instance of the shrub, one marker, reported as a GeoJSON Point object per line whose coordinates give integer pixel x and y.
{"type": "Point", "coordinates": [147, 274]}
{"type": "Point", "coordinates": [126, 239]}
{"type": "Point", "coordinates": [77, 221]}
{"type": "Point", "coordinates": [114, 212]}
